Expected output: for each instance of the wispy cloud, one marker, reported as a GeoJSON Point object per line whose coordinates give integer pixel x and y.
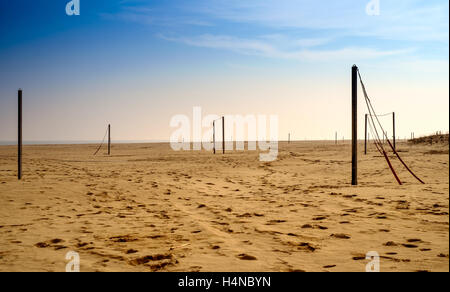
{"type": "Point", "coordinates": [399, 19]}
{"type": "Point", "coordinates": [304, 42]}
{"type": "Point", "coordinates": [411, 20]}
{"type": "Point", "coordinates": [263, 47]}
{"type": "Point", "coordinates": [300, 29]}
{"type": "Point", "coordinates": [148, 15]}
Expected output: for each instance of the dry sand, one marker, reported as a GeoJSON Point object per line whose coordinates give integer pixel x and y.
{"type": "Point", "coordinates": [148, 208]}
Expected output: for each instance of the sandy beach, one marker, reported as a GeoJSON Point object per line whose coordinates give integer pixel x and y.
{"type": "Point", "coordinates": [149, 208]}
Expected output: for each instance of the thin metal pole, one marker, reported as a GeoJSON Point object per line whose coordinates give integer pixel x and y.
{"type": "Point", "coordinates": [214, 137]}
{"type": "Point", "coordinates": [19, 150]}
{"type": "Point", "coordinates": [223, 134]}
{"type": "Point", "coordinates": [109, 139]}
{"type": "Point", "coordinates": [354, 125]}
{"type": "Point", "coordinates": [393, 129]}
{"type": "Point", "coordinates": [365, 137]}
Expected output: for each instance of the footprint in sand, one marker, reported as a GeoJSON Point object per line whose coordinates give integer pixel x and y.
{"type": "Point", "coordinates": [245, 215]}
{"type": "Point", "coordinates": [306, 246]}
{"type": "Point", "coordinates": [82, 244]}
{"type": "Point", "coordinates": [152, 258]}
{"type": "Point", "coordinates": [272, 222]}
{"type": "Point", "coordinates": [123, 238]}
{"type": "Point", "coordinates": [51, 243]}
{"type": "Point", "coordinates": [246, 257]}
{"type": "Point", "coordinates": [354, 210]}
{"type": "Point", "coordinates": [407, 245]}
{"type": "Point", "coordinates": [414, 240]}
{"type": "Point", "coordinates": [42, 245]}
{"type": "Point", "coordinates": [340, 236]}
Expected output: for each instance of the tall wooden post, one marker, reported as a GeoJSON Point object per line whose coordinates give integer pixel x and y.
{"type": "Point", "coordinates": [19, 136]}
{"type": "Point", "coordinates": [109, 139]}
{"type": "Point", "coordinates": [354, 125]}
{"type": "Point", "coordinates": [335, 138]}
{"type": "Point", "coordinates": [365, 136]}
{"type": "Point", "coordinates": [214, 137]}
{"type": "Point", "coordinates": [289, 138]}
{"type": "Point", "coordinates": [393, 129]}
{"type": "Point", "coordinates": [223, 134]}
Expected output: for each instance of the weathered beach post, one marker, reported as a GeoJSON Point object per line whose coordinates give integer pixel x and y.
{"type": "Point", "coordinates": [109, 139]}
{"type": "Point", "coordinates": [393, 129]}
{"type": "Point", "coordinates": [214, 137]}
{"type": "Point", "coordinates": [354, 125]}
{"type": "Point", "coordinates": [335, 138]}
{"type": "Point", "coordinates": [289, 138]}
{"type": "Point", "coordinates": [19, 136]}
{"type": "Point", "coordinates": [223, 134]}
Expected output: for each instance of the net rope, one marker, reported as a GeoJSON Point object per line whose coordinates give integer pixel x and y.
{"type": "Point", "coordinates": [101, 144]}
{"type": "Point", "coordinates": [373, 118]}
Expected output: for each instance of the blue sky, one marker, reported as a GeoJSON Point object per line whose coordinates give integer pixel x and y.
{"type": "Point", "coordinates": [135, 64]}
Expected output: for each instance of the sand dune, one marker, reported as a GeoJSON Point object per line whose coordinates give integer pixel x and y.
{"type": "Point", "coordinates": [148, 208]}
